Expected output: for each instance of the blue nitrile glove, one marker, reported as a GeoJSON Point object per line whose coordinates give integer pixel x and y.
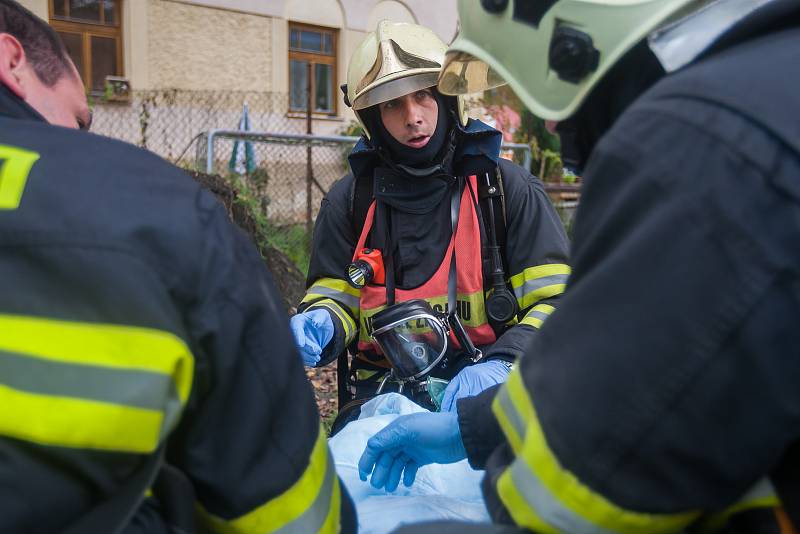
{"type": "Point", "coordinates": [408, 443]}
{"type": "Point", "coordinates": [472, 380]}
{"type": "Point", "coordinates": [312, 329]}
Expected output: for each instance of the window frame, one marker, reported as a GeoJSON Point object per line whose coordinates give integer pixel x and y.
{"type": "Point", "coordinates": [314, 58]}
{"type": "Point", "coordinates": [88, 29]}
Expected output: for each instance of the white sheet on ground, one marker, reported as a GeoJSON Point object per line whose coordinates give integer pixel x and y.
{"type": "Point", "coordinates": [439, 492]}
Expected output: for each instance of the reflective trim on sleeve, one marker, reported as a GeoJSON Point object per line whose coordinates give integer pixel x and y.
{"type": "Point", "coordinates": [344, 317]}
{"type": "Point", "coordinates": [536, 316]}
{"type": "Point", "coordinates": [762, 495]}
{"type": "Point", "coordinates": [540, 282]}
{"type": "Point", "coordinates": [312, 504]}
{"type": "Point", "coordinates": [94, 386]}
{"type": "Point", "coordinates": [336, 289]}
{"type": "Point", "coordinates": [508, 417]}
{"type": "Point", "coordinates": [541, 495]}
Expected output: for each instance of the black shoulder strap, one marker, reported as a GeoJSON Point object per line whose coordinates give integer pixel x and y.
{"type": "Point", "coordinates": [113, 514]}
{"type": "Point", "coordinates": [360, 202]}
{"type": "Point", "coordinates": [493, 192]}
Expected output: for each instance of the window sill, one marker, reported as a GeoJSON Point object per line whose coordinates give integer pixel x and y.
{"type": "Point", "coordinates": [314, 116]}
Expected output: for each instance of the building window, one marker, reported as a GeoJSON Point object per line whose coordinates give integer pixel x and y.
{"type": "Point", "coordinates": [91, 31]}
{"type": "Point", "coordinates": [315, 46]}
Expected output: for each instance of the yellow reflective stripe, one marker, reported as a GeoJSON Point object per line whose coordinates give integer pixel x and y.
{"type": "Point", "coordinates": [365, 374]}
{"type": "Point", "coordinates": [14, 172]}
{"type": "Point", "coordinates": [336, 289]}
{"type": "Point", "coordinates": [79, 423]}
{"type": "Point", "coordinates": [104, 345]}
{"type": "Point", "coordinates": [541, 293]}
{"type": "Point", "coordinates": [347, 322]}
{"type": "Point", "coordinates": [296, 508]}
{"type": "Point", "coordinates": [540, 271]}
{"type": "Point", "coordinates": [518, 508]}
{"type": "Point", "coordinates": [540, 282]}
{"type": "Point", "coordinates": [536, 316]}
{"type": "Point", "coordinates": [762, 495]}
{"type": "Point", "coordinates": [508, 418]}
{"type": "Point", "coordinates": [536, 489]}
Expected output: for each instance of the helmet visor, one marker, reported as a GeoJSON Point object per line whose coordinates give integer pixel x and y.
{"type": "Point", "coordinates": [413, 345]}
{"type": "Point", "coordinates": [463, 73]}
{"type": "Point", "coordinates": [396, 88]}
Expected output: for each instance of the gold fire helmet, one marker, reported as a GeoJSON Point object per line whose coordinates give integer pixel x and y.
{"type": "Point", "coordinates": [396, 59]}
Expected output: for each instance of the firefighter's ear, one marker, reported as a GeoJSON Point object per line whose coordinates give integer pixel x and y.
{"type": "Point", "coordinates": [14, 66]}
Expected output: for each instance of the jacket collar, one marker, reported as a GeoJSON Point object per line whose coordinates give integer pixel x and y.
{"type": "Point", "coordinates": [474, 139]}
{"type": "Point", "coordinates": [11, 106]}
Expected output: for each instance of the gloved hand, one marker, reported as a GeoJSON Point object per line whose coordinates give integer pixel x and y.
{"type": "Point", "coordinates": [408, 443]}
{"type": "Point", "coordinates": [472, 380]}
{"type": "Point", "coordinates": [312, 330]}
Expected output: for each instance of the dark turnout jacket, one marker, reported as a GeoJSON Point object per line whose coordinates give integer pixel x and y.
{"type": "Point", "coordinates": [134, 317]}
{"type": "Point", "coordinates": [680, 400]}
{"type": "Point", "coordinates": [535, 251]}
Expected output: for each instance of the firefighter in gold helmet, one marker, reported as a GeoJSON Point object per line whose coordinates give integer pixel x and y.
{"type": "Point", "coordinates": [418, 159]}
{"type": "Point", "coordinates": [676, 409]}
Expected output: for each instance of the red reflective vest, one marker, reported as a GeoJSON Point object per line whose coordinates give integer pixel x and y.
{"type": "Point", "coordinates": [469, 281]}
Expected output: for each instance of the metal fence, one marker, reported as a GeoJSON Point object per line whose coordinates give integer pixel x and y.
{"type": "Point", "coordinates": [167, 121]}
{"type": "Point", "coordinates": [293, 171]}
{"type": "Point", "coordinates": [290, 171]}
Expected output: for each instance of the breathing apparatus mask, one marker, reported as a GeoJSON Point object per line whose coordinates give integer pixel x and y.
{"type": "Point", "coordinates": [415, 338]}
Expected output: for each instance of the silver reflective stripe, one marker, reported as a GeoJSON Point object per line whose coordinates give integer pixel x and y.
{"type": "Point", "coordinates": [762, 490]}
{"type": "Point", "coordinates": [538, 314]}
{"type": "Point", "coordinates": [537, 283]}
{"type": "Point", "coordinates": [344, 298]}
{"type": "Point", "coordinates": [546, 506]}
{"type": "Point", "coordinates": [511, 412]}
{"type": "Point", "coordinates": [316, 514]}
{"type": "Point", "coordinates": [126, 387]}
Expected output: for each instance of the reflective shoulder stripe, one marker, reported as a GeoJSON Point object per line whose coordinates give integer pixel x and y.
{"type": "Point", "coordinates": [97, 386]}
{"type": "Point", "coordinates": [312, 504]}
{"type": "Point", "coordinates": [16, 166]}
{"type": "Point", "coordinates": [536, 316]}
{"type": "Point", "coordinates": [540, 282]}
{"type": "Point", "coordinates": [762, 495]}
{"type": "Point", "coordinates": [508, 417]}
{"type": "Point", "coordinates": [78, 423]}
{"type": "Point", "coordinates": [543, 496]}
{"type": "Point", "coordinates": [336, 289]}
{"type": "Point", "coordinates": [343, 315]}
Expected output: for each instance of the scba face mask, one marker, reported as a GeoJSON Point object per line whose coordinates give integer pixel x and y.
{"type": "Point", "coordinates": [414, 337]}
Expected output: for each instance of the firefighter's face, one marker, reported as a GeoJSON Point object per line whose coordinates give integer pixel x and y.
{"type": "Point", "coordinates": [63, 103]}
{"type": "Point", "coordinates": [411, 119]}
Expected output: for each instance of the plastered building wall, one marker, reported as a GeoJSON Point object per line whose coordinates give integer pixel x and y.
{"type": "Point", "coordinates": [242, 45]}
{"type": "Point", "coordinates": [201, 48]}
{"type": "Point", "coordinates": [37, 7]}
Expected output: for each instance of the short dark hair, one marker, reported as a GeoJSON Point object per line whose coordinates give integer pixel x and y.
{"type": "Point", "coordinates": [42, 45]}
